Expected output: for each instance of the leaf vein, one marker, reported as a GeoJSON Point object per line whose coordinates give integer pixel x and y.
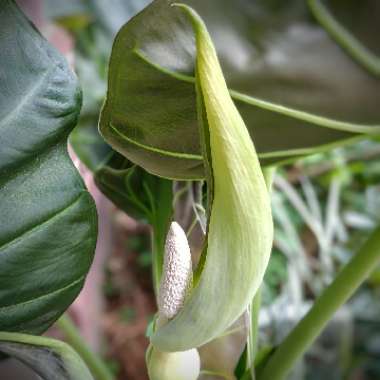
{"type": "Point", "coordinates": [59, 290]}
{"type": "Point", "coordinates": [37, 227]}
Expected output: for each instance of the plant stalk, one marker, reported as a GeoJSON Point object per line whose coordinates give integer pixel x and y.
{"type": "Point", "coordinates": [160, 220]}
{"type": "Point", "coordinates": [335, 295]}
{"type": "Point", "coordinates": [157, 260]}
{"type": "Point", "coordinates": [252, 343]}
{"type": "Point", "coordinates": [95, 364]}
{"type": "Point", "coordinates": [254, 308]}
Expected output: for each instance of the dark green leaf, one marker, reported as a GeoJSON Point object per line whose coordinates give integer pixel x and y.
{"type": "Point", "coordinates": [132, 189]}
{"type": "Point", "coordinates": [89, 146]}
{"type": "Point", "coordinates": [47, 218]}
{"type": "Point", "coordinates": [49, 358]}
{"type": "Point", "coordinates": [297, 90]}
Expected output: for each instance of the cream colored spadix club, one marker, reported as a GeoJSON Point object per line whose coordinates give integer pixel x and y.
{"type": "Point", "coordinates": [177, 273]}
{"type": "Point", "coordinates": [175, 284]}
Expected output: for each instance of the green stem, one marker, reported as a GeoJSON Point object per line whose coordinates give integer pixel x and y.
{"type": "Point", "coordinates": [162, 213]}
{"type": "Point", "coordinates": [253, 332]}
{"type": "Point", "coordinates": [254, 308]}
{"type": "Point", "coordinates": [95, 364]}
{"type": "Point", "coordinates": [335, 295]}
{"type": "Point", "coordinates": [345, 39]}
{"type": "Point", "coordinates": [158, 246]}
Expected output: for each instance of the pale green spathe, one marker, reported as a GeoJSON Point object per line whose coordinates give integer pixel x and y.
{"type": "Point", "coordinates": [240, 229]}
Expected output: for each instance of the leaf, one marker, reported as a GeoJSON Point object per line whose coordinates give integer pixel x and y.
{"type": "Point", "coordinates": [48, 219]}
{"type": "Point", "coordinates": [240, 229]}
{"type": "Point", "coordinates": [132, 189]}
{"type": "Point", "coordinates": [89, 146]}
{"type": "Point", "coordinates": [296, 89]}
{"type": "Point", "coordinates": [49, 358]}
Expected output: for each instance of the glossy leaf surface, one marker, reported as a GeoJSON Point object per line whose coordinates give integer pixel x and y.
{"type": "Point", "coordinates": [239, 231]}
{"type": "Point", "coordinates": [48, 219]}
{"type": "Point", "coordinates": [296, 88]}
{"type": "Point", "coordinates": [49, 358]}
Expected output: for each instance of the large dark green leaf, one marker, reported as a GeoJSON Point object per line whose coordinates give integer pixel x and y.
{"type": "Point", "coordinates": [47, 218]}
{"type": "Point", "coordinates": [296, 88]}
{"type": "Point", "coordinates": [51, 359]}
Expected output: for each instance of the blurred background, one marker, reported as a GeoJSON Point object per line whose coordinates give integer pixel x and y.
{"type": "Point", "coordinates": [324, 208]}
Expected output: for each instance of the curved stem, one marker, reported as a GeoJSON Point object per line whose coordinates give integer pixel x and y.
{"type": "Point", "coordinates": [335, 295]}
{"type": "Point", "coordinates": [345, 39]}
{"type": "Point", "coordinates": [254, 308]}
{"type": "Point", "coordinates": [158, 247]}
{"type": "Point", "coordinates": [252, 342]}
{"type": "Point", "coordinates": [162, 212]}
{"type": "Point", "coordinates": [93, 361]}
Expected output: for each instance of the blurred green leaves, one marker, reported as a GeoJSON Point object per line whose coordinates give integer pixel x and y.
{"type": "Point", "coordinates": [297, 90]}
{"type": "Point", "coordinates": [354, 34]}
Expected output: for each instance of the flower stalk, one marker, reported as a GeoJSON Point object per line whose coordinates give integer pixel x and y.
{"type": "Point", "coordinates": [335, 295]}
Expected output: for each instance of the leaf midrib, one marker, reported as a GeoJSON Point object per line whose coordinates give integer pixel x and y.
{"type": "Point", "coordinates": [55, 291]}
{"type": "Point", "coordinates": [7, 120]}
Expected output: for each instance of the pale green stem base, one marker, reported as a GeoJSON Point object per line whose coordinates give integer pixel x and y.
{"type": "Point", "coordinates": [340, 290]}
{"type": "Point", "coordinates": [95, 364]}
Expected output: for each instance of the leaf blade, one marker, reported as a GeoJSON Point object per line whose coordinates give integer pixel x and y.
{"type": "Point", "coordinates": [48, 219]}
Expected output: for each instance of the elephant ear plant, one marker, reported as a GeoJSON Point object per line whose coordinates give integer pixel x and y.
{"type": "Point", "coordinates": [48, 219]}
{"type": "Point", "coordinates": [172, 113]}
